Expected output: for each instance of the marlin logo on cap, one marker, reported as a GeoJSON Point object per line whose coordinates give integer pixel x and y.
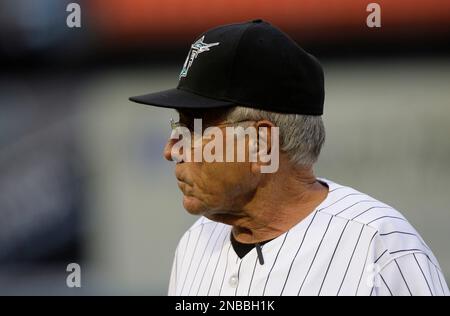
{"type": "Point", "coordinates": [198, 47]}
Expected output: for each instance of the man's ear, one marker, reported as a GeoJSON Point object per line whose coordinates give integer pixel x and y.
{"type": "Point", "coordinates": [263, 144]}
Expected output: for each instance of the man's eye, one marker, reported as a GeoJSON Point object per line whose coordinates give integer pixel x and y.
{"type": "Point", "coordinates": [185, 125]}
{"type": "Point", "coordinates": [190, 125]}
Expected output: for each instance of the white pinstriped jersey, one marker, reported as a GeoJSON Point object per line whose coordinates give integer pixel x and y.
{"type": "Point", "coordinates": [351, 244]}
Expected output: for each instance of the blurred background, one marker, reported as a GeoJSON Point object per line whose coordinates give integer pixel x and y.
{"type": "Point", "coordinates": [82, 178]}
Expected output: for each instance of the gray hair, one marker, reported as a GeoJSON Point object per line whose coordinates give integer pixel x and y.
{"type": "Point", "coordinates": [301, 136]}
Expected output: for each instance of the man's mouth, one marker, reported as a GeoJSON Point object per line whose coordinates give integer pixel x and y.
{"type": "Point", "coordinates": [184, 187]}
{"type": "Point", "coordinates": [181, 178]}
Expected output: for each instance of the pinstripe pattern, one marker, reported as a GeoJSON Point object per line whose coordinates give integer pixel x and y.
{"type": "Point", "coordinates": [351, 244]}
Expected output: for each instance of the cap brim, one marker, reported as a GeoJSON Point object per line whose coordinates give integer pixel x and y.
{"type": "Point", "coordinates": [177, 98]}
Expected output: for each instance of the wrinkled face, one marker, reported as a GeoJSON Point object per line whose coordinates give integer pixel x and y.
{"type": "Point", "coordinates": [212, 188]}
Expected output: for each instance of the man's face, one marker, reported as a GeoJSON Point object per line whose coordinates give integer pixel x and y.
{"type": "Point", "coordinates": [212, 189]}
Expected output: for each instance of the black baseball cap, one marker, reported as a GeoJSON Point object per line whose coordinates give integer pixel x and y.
{"type": "Point", "coordinates": [251, 64]}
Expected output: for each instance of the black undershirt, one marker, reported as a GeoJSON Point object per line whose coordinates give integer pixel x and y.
{"type": "Point", "coordinates": [242, 249]}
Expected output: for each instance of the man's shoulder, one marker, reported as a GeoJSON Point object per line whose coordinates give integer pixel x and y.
{"type": "Point", "coordinates": [348, 203]}
{"type": "Point", "coordinates": [392, 232]}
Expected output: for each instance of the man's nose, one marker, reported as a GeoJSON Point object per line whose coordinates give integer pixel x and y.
{"type": "Point", "coordinates": [167, 153]}
{"type": "Point", "coordinates": [176, 156]}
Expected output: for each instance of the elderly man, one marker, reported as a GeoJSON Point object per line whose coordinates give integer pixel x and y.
{"type": "Point", "coordinates": [279, 230]}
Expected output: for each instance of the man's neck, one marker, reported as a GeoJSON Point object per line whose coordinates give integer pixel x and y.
{"type": "Point", "coordinates": [278, 205]}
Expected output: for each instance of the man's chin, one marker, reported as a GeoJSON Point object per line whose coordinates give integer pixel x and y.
{"type": "Point", "coordinates": [193, 205]}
